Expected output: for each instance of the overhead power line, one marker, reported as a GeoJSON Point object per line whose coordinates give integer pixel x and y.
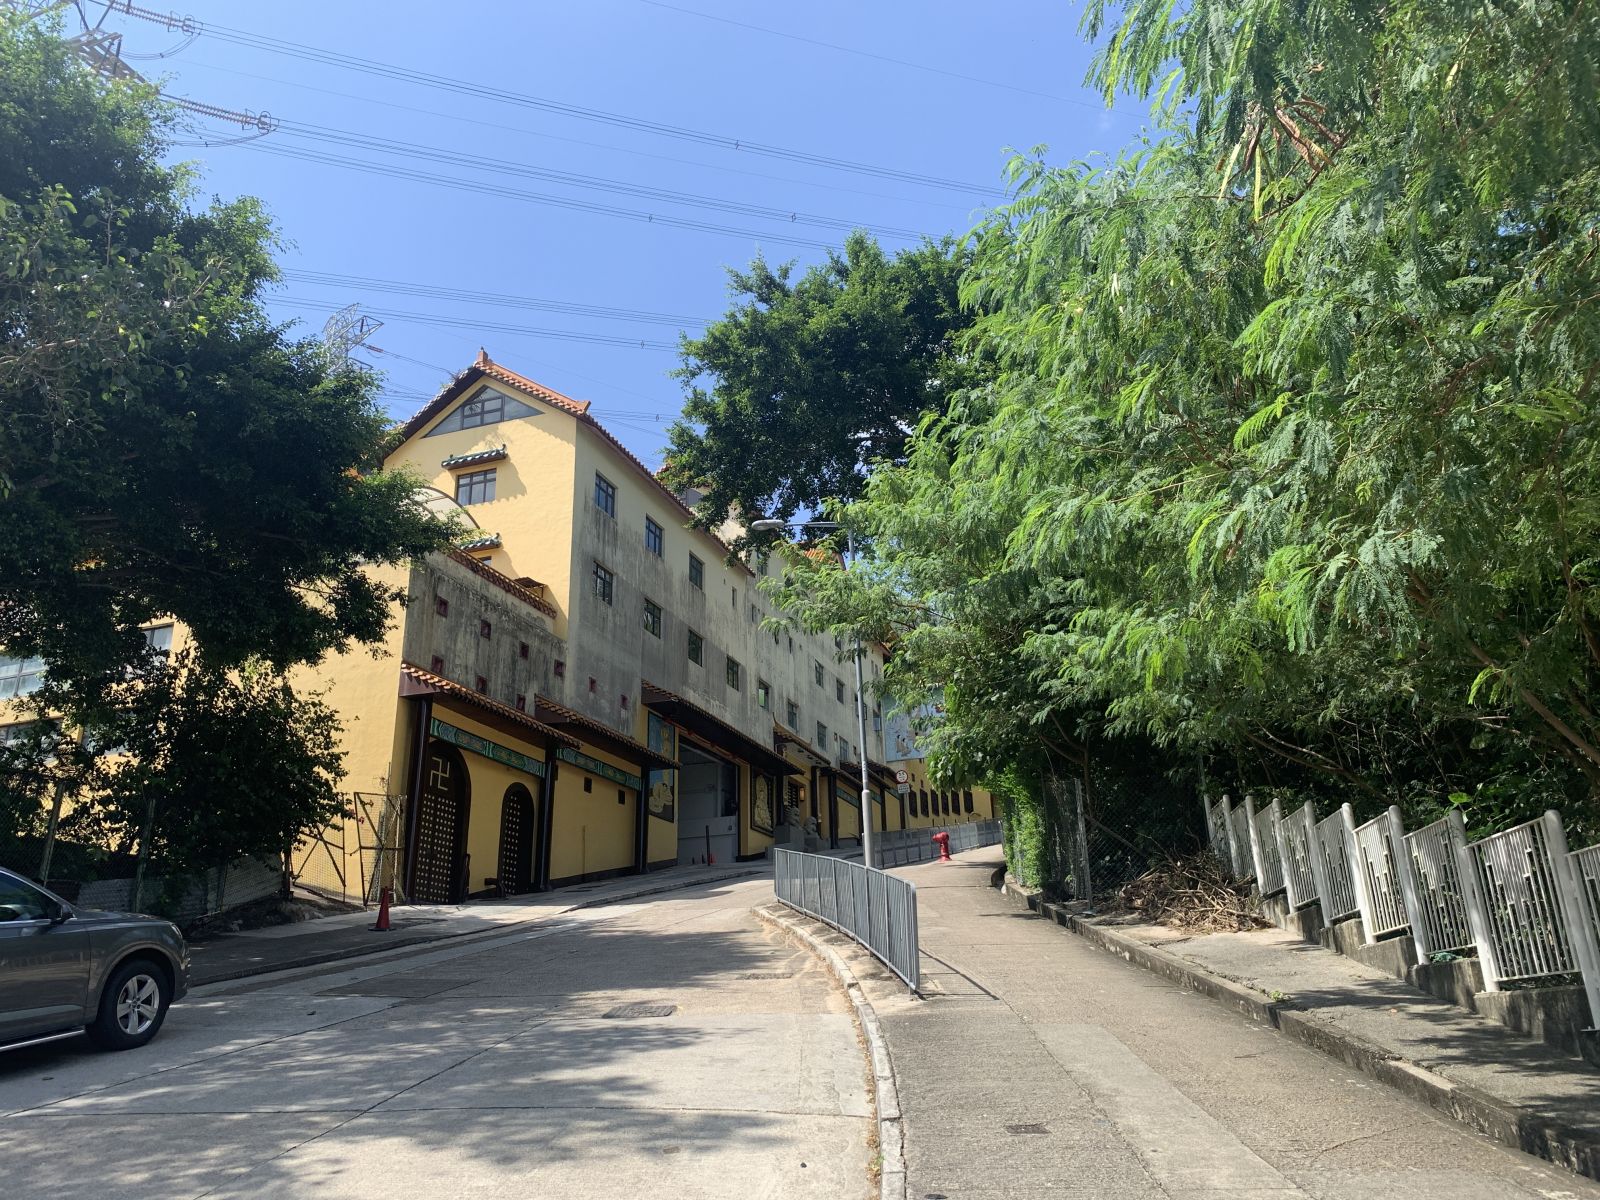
{"type": "Point", "coordinates": [334, 58]}
{"type": "Point", "coordinates": [609, 147]}
{"type": "Point", "coordinates": [431, 291]}
{"type": "Point", "coordinates": [478, 162]}
{"type": "Point", "coordinates": [569, 335]}
{"type": "Point", "coordinates": [484, 187]}
{"type": "Point", "coordinates": [899, 62]}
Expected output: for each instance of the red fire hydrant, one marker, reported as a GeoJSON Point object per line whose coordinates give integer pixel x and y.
{"type": "Point", "coordinates": [943, 839]}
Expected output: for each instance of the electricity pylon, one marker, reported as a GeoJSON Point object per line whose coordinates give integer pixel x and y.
{"type": "Point", "coordinates": [101, 48]}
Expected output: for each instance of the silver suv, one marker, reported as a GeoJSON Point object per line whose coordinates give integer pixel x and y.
{"type": "Point", "coordinates": [66, 970]}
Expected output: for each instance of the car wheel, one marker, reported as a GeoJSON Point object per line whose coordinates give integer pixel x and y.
{"type": "Point", "coordinates": [132, 1006]}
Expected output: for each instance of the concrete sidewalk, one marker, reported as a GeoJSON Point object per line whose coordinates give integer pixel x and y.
{"type": "Point", "coordinates": [350, 935]}
{"type": "Point", "coordinates": [1039, 1065]}
{"type": "Point", "coordinates": [1515, 1089]}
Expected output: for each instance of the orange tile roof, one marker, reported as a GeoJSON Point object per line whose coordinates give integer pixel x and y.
{"type": "Point", "coordinates": [451, 688]}
{"type": "Point", "coordinates": [485, 367]}
{"type": "Point", "coordinates": [504, 582]}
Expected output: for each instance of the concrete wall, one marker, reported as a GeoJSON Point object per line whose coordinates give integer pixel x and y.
{"type": "Point", "coordinates": [457, 636]}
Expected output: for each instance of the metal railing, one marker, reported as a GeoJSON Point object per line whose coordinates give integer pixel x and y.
{"type": "Point", "coordinates": [1336, 887]}
{"type": "Point", "coordinates": [1238, 827]}
{"type": "Point", "coordinates": [1296, 835]}
{"type": "Point", "coordinates": [1442, 904]}
{"type": "Point", "coordinates": [1264, 848]}
{"type": "Point", "coordinates": [1527, 905]}
{"type": "Point", "coordinates": [1385, 909]}
{"type": "Point", "coordinates": [905, 847]}
{"type": "Point", "coordinates": [876, 909]}
{"type": "Point", "coordinates": [1517, 870]}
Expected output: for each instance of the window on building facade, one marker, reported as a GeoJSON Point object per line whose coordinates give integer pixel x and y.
{"type": "Point", "coordinates": [842, 747]}
{"type": "Point", "coordinates": [19, 676]}
{"type": "Point", "coordinates": [966, 801]}
{"type": "Point", "coordinates": [436, 665]}
{"type": "Point", "coordinates": [838, 690]}
{"type": "Point", "coordinates": [653, 537]}
{"type": "Point", "coordinates": [484, 628]}
{"type": "Point", "coordinates": [697, 572]}
{"type": "Point", "coordinates": [159, 640]}
{"type": "Point", "coordinates": [822, 737]}
{"type": "Point", "coordinates": [817, 670]}
{"type": "Point", "coordinates": [697, 648]}
{"type": "Point", "coordinates": [755, 615]}
{"type": "Point", "coordinates": [475, 487]}
{"type": "Point", "coordinates": [605, 495]}
{"type": "Point", "coordinates": [522, 702]}
{"type": "Point", "coordinates": [735, 599]}
{"type": "Point", "coordinates": [791, 715]}
{"type": "Point", "coordinates": [652, 617]}
{"type": "Point", "coordinates": [441, 606]}
{"type": "Point", "coordinates": [481, 684]}
{"type": "Point", "coordinates": [604, 583]}
{"type": "Point", "coordinates": [733, 672]}
{"type": "Point", "coordinates": [763, 693]}
{"type": "Point", "coordinates": [487, 409]}
{"type": "Point", "coordinates": [522, 649]}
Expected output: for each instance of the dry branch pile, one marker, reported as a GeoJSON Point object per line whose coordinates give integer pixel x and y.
{"type": "Point", "coordinates": [1193, 893]}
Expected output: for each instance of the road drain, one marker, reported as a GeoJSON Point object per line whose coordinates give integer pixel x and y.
{"type": "Point", "coordinates": [1026, 1129]}
{"type": "Point", "coordinates": [624, 1012]}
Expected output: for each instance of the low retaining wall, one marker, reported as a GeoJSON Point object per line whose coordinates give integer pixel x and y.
{"type": "Point", "coordinates": [1557, 1016]}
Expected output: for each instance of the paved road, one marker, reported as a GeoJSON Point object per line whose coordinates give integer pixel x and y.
{"type": "Point", "coordinates": [1043, 1066]}
{"type": "Point", "coordinates": [481, 1070]}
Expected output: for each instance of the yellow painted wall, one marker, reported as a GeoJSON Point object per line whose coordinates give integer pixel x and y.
{"type": "Point", "coordinates": [488, 781]}
{"type": "Point", "coordinates": [592, 832]}
{"type": "Point", "coordinates": [533, 506]}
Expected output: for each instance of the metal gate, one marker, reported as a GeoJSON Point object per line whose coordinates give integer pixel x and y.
{"type": "Point", "coordinates": [514, 869]}
{"type": "Point", "coordinates": [441, 826]}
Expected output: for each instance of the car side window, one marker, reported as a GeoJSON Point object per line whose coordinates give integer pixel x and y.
{"type": "Point", "coordinates": [19, 902]}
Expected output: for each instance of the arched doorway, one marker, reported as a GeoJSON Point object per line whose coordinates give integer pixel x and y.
{"type": "Point", "coordinates": [440, 874]}
{"type": "Point", "coordinates": [517, 832]}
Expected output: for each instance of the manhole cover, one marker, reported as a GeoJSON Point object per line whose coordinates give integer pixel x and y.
{"type": "Point", "coordinates": [624, 1012]}
{"type": "Point", "coordinates": [1026, 1129]}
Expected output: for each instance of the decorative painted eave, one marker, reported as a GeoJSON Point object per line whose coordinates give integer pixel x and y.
{"type": "Point", "coordinates": [488, 541]}
{"type": "Point", "coordinates": [476, 458]}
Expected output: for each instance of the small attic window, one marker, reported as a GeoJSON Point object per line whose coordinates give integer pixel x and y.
{"type": "Point", "coordinates": [484, 407]}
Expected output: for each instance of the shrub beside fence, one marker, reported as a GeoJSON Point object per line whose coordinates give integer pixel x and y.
{"type": "Point", "coordinates": [1520, 899]}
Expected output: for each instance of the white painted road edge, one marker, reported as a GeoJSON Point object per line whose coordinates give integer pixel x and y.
{"type": "Point", "coordinates": [892, 1182]}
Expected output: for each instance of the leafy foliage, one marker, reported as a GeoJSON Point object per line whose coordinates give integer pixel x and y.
{"type": "Point", "coordinates": [806, 381]}
{"type": "Point", "coordinates": [167, 452]}
{"type": "Point", "coordinates": [1288, 454]}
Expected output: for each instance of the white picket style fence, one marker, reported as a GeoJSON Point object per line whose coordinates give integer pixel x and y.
{"type": "Point", "coordinates": [1528, 905]}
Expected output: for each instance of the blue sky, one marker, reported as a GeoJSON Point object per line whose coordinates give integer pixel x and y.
{"type": "Point", "coordinates": [648, 59]}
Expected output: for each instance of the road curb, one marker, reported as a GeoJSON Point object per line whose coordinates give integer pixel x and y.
{"type": "Point", "coordinates": [1505, 1121]}
{"type": "Point", "coordinates": [892, 1182]}
{"type": "Point", "coordinates": [317, 959]}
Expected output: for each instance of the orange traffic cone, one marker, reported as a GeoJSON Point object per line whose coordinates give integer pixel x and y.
{"type": "Point", "coordinates": [383, 911]}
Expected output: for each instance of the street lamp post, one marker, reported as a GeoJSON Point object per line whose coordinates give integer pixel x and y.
{"type": "Point", "coordinates": [766, 526]}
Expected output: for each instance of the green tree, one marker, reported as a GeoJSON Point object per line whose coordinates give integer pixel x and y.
{"type": "Point", "coordinates": [806, 382]}
{"type": "Point", "coordinates": [1291, 412]}
{"type": "Point", "coordinates": [165, 451]}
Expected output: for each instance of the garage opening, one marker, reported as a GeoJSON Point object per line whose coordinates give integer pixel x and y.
{"type": "Point", "coordinates": [708, 807]}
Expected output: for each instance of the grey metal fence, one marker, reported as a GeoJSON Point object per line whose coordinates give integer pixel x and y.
{"type": "Point", "coordinates": [876, 909]}
{"type": "Point", "coordinates": [903, 847]}
{"type": "Point", "coordinates": [1526, 903]}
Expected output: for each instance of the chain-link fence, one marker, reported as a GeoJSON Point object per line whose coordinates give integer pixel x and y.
{"type": "Point", "coordinates": [1083, 839]}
